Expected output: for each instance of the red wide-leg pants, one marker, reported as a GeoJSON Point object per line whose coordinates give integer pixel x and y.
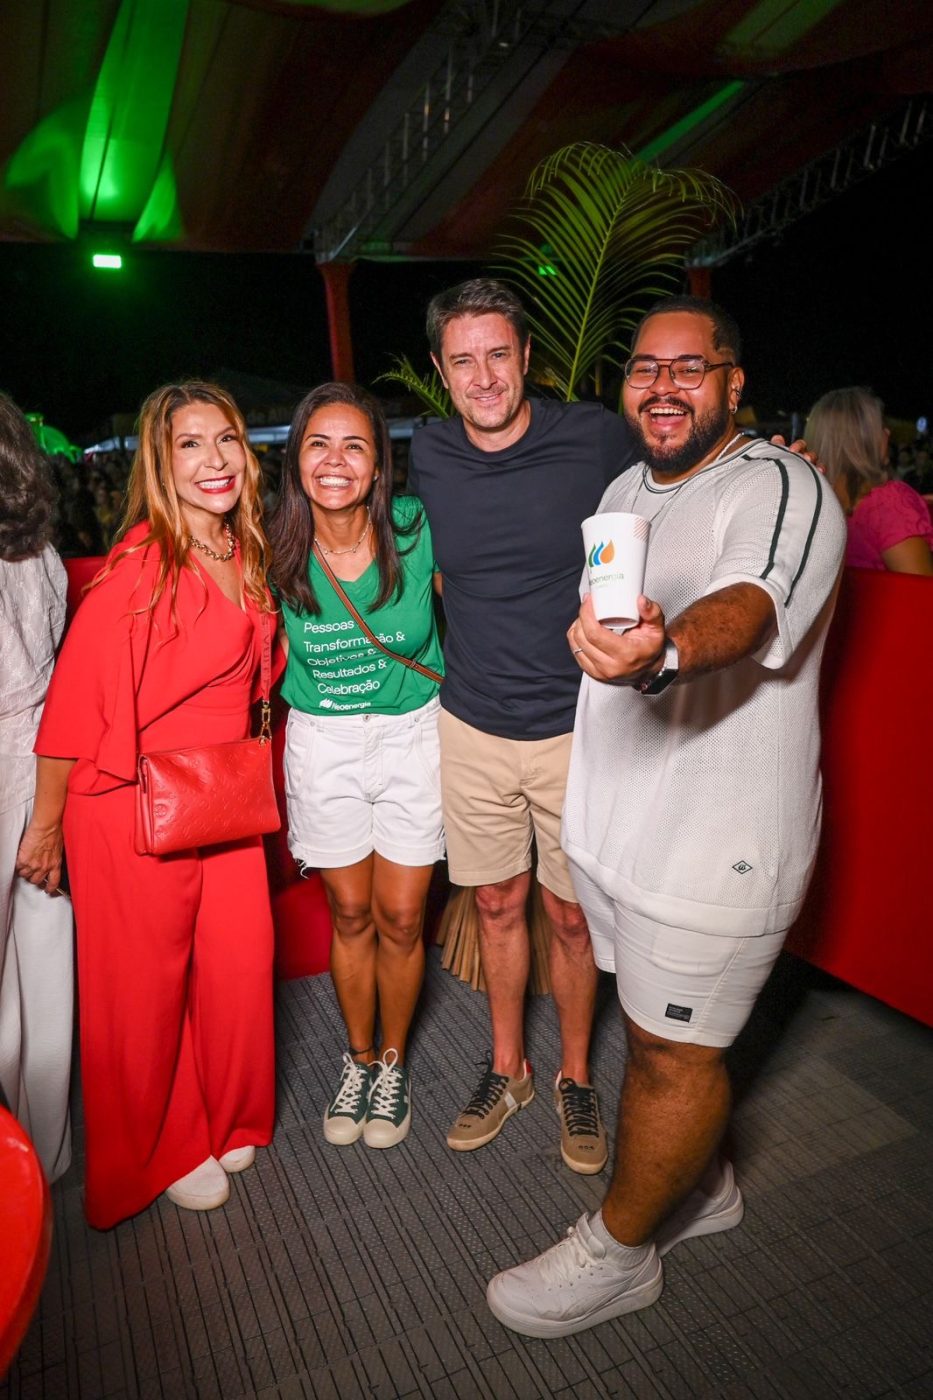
{"type": "Point", "coordinates": [175, 1004]}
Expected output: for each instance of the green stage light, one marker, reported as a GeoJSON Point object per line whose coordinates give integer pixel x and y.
{"type": "Point", "coordinates": [112, 260]}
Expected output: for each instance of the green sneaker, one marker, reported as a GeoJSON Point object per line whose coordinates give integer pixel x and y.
{"type": "Point", "coordinates": [496, 1098]}
{"type": "Point", "coordinates": [583, 1143]}
{"type": "Point", "coordinates": [389, 1116]}
{"type": "Point", "coordinates": [345, 1115]}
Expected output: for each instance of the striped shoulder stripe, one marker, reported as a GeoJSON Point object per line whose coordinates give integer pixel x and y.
{"type": "Point", "coordinates": [782, 510]}
{"type": "Point", "coordinates": [812, 531]}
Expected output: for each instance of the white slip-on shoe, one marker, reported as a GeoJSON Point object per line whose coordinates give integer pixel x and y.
{"type": "Point", "coordinates": [205, 1188]}
{"type": "Point", "coordinates": [716, 1204]}
{"type": "Point", "coordinates": [575, 1284]}
{"type": "Point", "coordinates": [238, 1159]}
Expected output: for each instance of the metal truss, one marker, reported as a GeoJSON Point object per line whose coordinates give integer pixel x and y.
{"type": "Point", "coordinates": [485, 37]}
{"type": "Point", "coordinates": [854, 159]}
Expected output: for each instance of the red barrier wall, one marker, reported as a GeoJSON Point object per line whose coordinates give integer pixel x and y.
{"type": "Point", "coordinates": [868, 916]}
{"type": "Point", "coordinates": [867, 919]}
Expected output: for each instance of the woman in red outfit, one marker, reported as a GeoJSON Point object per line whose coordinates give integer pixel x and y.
{"type": "Point", "coordinates": [174, 952]}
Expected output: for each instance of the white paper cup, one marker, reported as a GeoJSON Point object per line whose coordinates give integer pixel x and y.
{"type": "Point", "coordinates": [616, 545]}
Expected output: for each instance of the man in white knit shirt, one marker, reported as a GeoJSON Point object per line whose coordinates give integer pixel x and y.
{"type": "Point", "coordinates": [693, 802]}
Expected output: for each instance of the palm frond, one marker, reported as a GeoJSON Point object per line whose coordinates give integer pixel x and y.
{"type": "Point", "coordinates": [616, 231]}
{"type": "Point", "coordinates": [430, 390]}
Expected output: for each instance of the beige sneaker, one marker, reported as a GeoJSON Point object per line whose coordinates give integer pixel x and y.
{"type": "Point", "coordinates": [496, 1098]}
{"type": "Point", "coordinates": [205, 1188]}
{"type": "Point", "coordinates": [237, 1159]}
{"type": "Point", "coordinates": [583, 1143]}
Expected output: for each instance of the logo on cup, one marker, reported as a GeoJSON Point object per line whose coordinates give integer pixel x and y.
{"type": "Point", "coordinates": [601, 553]}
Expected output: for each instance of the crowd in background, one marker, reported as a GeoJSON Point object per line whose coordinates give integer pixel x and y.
{"type": "Point", "coordinates": [91, 491]}
{"type": "Point", "coordinates": [90, 498]}
{"type": "Point", "coordinates": [914, 465]}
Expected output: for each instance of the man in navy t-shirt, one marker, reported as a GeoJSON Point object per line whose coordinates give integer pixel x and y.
{"type": "Point", "coordinates": [506, 484]}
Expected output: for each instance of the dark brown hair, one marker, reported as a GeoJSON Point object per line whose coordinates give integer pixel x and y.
{"type": "Point", "coordinates": [291, 521]}
{"type": "Point", "coordinates": [27, 496]}
{"type": "Point", "coordinates": [481, 296]}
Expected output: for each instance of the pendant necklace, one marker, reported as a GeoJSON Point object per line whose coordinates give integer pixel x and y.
{"type": "Point", "coordinates": [353, 547]}
{"type": "Point", "coordinates": [212, 553]}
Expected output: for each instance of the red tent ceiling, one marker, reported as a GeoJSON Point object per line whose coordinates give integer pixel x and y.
{"type": "Point", "coordinates": [241, 124]}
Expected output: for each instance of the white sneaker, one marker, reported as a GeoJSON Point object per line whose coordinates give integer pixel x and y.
{"type": "Point", "coordinates": [715, 1205]}
{"type": "Point", "coordinates": [205, 1188]}
{"type": "Point", "coordinates": [238, 1159]}
{"type": "Point", "coordinates": [574, 1285]}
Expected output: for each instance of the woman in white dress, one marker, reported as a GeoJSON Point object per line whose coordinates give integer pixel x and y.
{"type": "Point", "coordinates": [36, 977]}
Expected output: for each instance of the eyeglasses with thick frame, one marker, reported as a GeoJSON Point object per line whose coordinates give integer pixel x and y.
{"type": "Point", "coordinates": [686, 371]}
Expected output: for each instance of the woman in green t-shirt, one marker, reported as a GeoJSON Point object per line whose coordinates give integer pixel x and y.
{"type": "Point", "coordinates": [362, 766]}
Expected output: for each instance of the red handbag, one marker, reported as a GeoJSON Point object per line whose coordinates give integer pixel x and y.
{"type": "Point", "coordinates": [211, 794]}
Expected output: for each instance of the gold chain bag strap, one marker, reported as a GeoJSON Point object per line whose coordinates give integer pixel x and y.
{"type": "Point", "coordinates": [367, 630]}
{"type": "Point", "coordinates": [204, 796]}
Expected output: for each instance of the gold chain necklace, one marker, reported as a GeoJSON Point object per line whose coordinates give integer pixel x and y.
{"type": "Point", "coordinates": [353, 547]}
{"type": "Point", "coordinates": [212, 553]}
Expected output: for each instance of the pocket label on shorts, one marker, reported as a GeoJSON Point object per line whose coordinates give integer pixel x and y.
{"type": "Point", "coordinates": [678, 1013]}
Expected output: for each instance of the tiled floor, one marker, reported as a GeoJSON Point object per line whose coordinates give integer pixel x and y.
{"type": "Point", "coordinates": [343, 1272]}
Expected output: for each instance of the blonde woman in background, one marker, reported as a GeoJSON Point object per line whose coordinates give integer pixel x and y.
{"type": "Point", "coordinates": [889, 524]}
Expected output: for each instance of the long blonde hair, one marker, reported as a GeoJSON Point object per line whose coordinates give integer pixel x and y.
{"type": "Point", "coordinates": [151, 494]}
{"type": "Point", "coordinates": [845, 429]}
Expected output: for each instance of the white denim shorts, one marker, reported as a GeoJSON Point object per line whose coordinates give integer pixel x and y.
{"type": "Point", "coordinates": [674, 982]}
{"type": "Point", "coordinates": [362, 783]}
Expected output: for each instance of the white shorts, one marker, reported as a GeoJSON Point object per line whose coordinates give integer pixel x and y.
{"type": "Point", "coordinates": [674, 982]}
{"type": "Point", "coordinates": [362, 783]}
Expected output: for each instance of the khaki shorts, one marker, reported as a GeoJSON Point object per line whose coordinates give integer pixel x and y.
{"type": "Point", "coordinates": [499, 794]}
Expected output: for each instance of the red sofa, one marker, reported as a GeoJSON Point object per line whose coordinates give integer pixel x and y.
{"type": "Point", "coordinates": [867, 919]}
{"type": "Point", "coordinates": [26, 1233]}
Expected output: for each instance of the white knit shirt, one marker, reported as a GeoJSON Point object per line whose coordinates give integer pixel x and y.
{"type": "Point", "coordinates": [32, 617]}
{"type": "Point", "coordinates": [700, 807]}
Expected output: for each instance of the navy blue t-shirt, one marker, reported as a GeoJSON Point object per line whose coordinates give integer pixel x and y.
{"type": "Point", "coordinates": [506, 531]}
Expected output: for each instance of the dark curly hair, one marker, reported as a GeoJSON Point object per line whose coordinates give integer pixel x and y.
{"type": "Point", "coordinates": [27, 497]}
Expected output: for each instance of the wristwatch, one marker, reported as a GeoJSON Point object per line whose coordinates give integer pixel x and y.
{"type": "Point", "coordinates": [670, 666]}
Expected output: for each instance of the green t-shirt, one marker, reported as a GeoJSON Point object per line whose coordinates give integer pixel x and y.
{"type": "Point", "coordinates": [334, 668]}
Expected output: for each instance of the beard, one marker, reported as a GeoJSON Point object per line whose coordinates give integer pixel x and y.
{"type": "Point", "coordinates": [669, 460]}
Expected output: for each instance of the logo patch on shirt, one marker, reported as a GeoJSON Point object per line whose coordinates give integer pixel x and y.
{"type": "Point", "coordinates": [678, 1013]}
{"type": "Point", "coordinates": [742, 867]}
